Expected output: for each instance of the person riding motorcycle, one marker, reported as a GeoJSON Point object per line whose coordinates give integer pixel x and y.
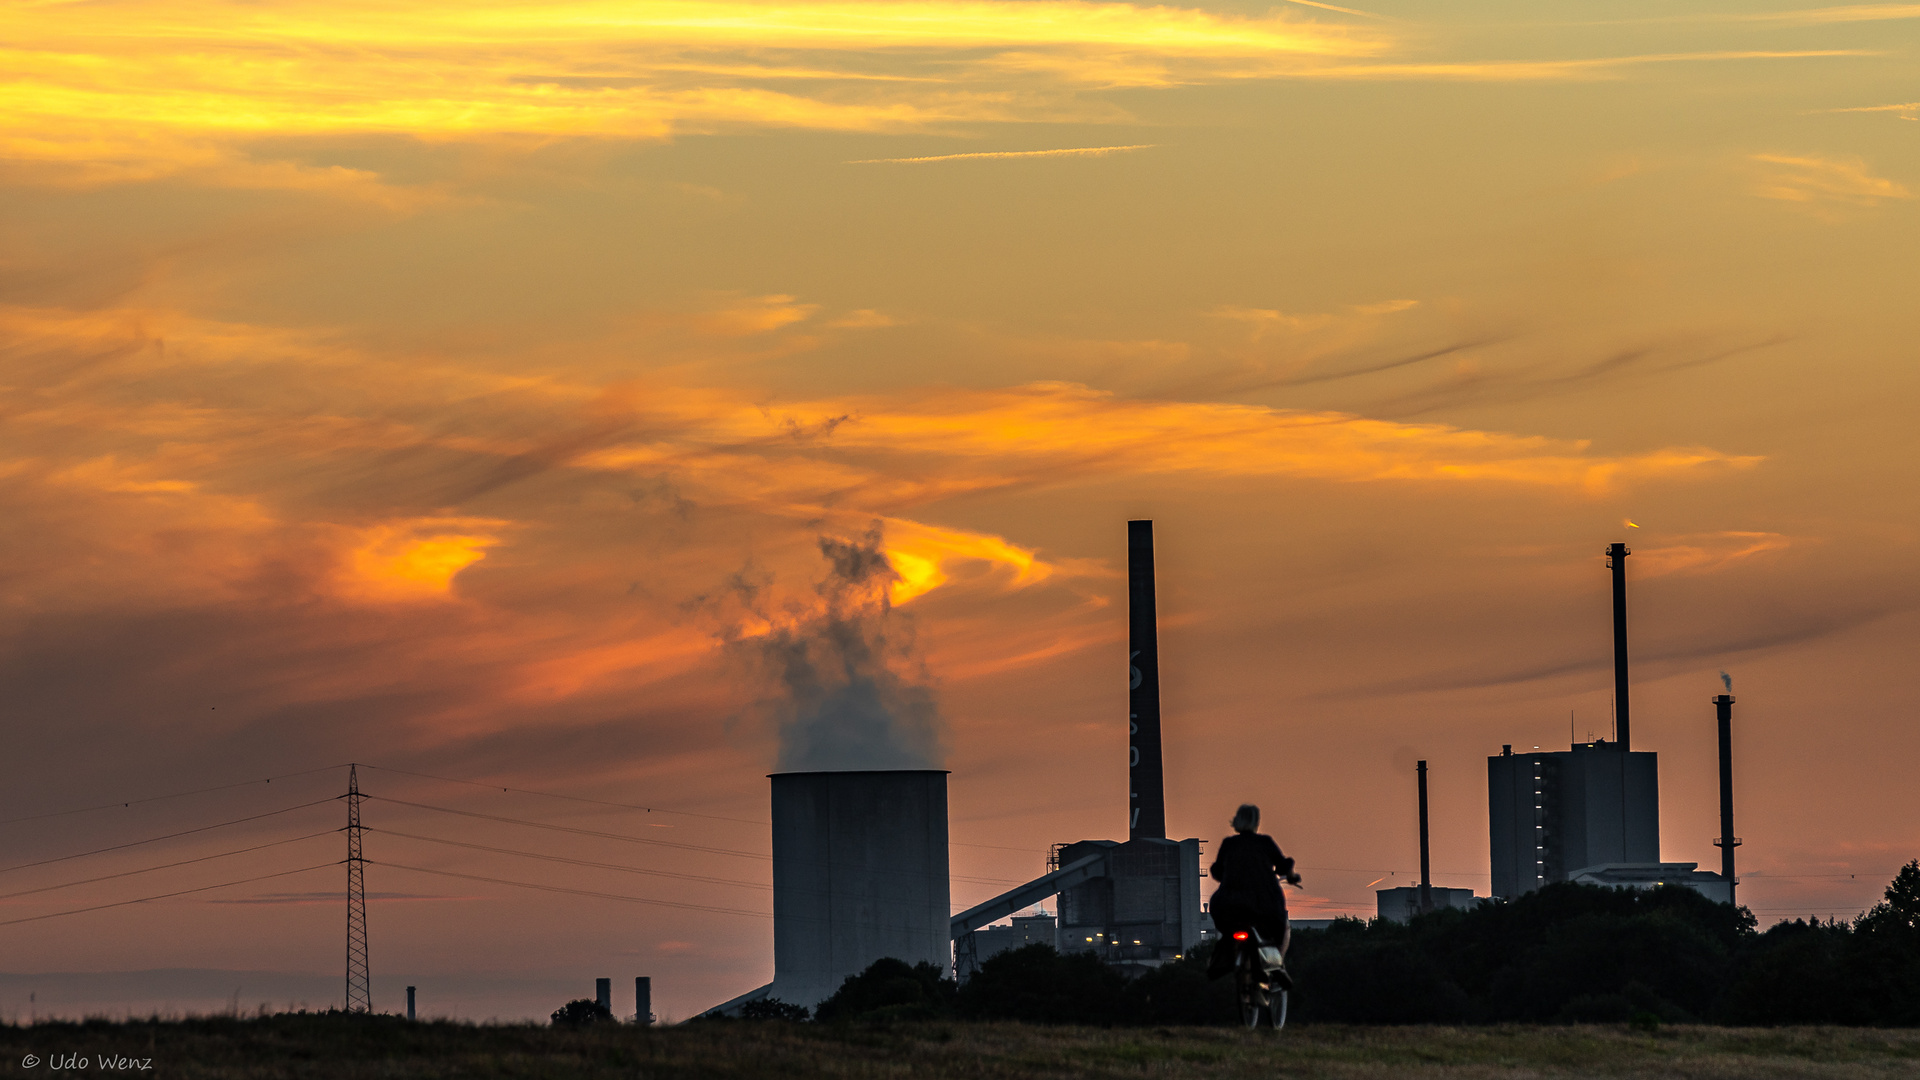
{"type": "Point", "coordinates": [1249, 867]}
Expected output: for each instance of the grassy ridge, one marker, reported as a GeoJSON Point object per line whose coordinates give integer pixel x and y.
{"type": "Point", "coordinates": [390, 1049]}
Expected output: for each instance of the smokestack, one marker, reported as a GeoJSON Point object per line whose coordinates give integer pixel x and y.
{"type": "Point", "coordinates": [1623, 728]}
{"type": "Point", "coordinates": [642, 1000]}
{"type": "Point", "coordinates": [1147, 800]}
{"type": "Point", "coordinates": [409, 1002]}
{"type": "Point", "coordinates": [1426, 877]}
{"type": "Point", "coordinates": [1723, 708]}
{"type": "Point", "coordinates": [603, 993]}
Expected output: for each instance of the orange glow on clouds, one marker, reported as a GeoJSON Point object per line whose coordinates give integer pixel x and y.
{"type": "Point", "coordinates": [417, 559]}
{"type": "Point", "coordinates": [924, 556]}
{"type": "Point", "coordinates": [141, 89]}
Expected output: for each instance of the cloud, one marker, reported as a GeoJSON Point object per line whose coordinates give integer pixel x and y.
{"type": "Point", "coordinates": [1908, 110]}
{"type": "Point", "coordinates": [1059, 430]}
{"type": "Point", "coordinates": [166, 90]}
{"type": "Point", "coordinates": [417, 558]}
{"type": "Point", "coordinates": [351, 543]}
{"type": "Point", "coordinates": [1705, 553]}
{"type": "Point", "coordinates": [1825, 180]}
{"type": "Point", "coordinates": [863, 319]}
{"type": "Point", "coordinates": [254, 96]}
{"type": "Point", "coordinates": [1845, 13]}
{"type": "Point", "coordinates": [996, 155]}
{"type": "Point", "coordinates": [1550, 70]}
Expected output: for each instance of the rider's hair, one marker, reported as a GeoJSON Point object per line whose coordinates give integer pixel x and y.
{"type": "Point", "coordinates": [1247, 818]}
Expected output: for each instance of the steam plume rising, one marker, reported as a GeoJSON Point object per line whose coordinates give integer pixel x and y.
{"type": "Point", "coordinates": [1727, 680]}
{"type": "Point", "coordinates": [848, 691]}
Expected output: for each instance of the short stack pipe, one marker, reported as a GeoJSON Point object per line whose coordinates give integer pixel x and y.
{"type": "Point", "coordinates": [1723, 711]}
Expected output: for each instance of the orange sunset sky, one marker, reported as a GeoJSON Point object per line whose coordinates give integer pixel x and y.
{"type": "Point", "coordinates": [469, 390]}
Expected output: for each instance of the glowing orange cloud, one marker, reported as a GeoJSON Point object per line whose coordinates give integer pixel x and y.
{"type": "Point", "coordinates": [416, 559]}
{"type": "Point", "coordinates": [922, 556]}
{"type": "Point", "coordinates": [1060, 429]}
{"type": "Point", "coordinates": [141, 88]}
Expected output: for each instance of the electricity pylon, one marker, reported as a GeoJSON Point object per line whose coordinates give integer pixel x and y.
{"type": "Point", "coordinates": [359, 981]}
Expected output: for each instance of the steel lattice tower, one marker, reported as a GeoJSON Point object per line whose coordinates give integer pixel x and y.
{"type": "Point", "coordinates": [359, 981]}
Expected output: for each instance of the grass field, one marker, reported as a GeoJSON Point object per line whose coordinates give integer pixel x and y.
{"type": "Point", "coordinates": [384, 1047]}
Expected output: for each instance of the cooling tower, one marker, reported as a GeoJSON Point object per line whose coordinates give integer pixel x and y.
{"type": "Point", "coordinates": [859, 873]}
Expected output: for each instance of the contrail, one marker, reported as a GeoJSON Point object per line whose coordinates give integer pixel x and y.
{"type": "Point", "coordinates": [1078, 151]}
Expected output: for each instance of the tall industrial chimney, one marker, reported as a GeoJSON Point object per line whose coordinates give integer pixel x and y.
{"type": "Point", "coordinates": [1147, 800]}
{"type": "Point", "coordinates": [1426, 875]}
{"type": "Point", "coordinates": [1723, 708]}
{"type": "Point", "coordinates": [1623, 728]}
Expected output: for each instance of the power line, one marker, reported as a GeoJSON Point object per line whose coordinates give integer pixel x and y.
{"type": "Point", "coordinates": [163, 896]}
{"type": "Point", "coordinates": [637, 806]}
{"type": "Point", "coordinates": [569, 798]}
{"type": "Point", "coordinates": [574, 892]}
{"type": "Point", "coordinates": [169, 836]}
{"type": "Point", "coordinates": [626, 869]}
{"type": "Point", "coordinates": [575, 862]}
{"type": "Point", "coordinates": [167, 866]}
{"type": "Point", "coordinates": [571, 829]}
{"type": "Point", "coordinates": [175, 795]}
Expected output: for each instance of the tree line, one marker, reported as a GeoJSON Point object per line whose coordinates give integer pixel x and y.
{"type": "Point", "coordinates": [1565, 953]}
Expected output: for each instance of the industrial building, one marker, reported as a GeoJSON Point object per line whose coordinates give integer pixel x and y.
{"type": "Point", "coordinates": [859, 874]}
{"type": "Point", "coordinates": [1403, 903]}
{"type": "Point", "coordinates": [1143, 911]}
{"type": "Point", "coordinates": [860, 859]}
{"type": "Point", "coordinates": [1134, 903]}
{"type": "Point", "coordinates": [1591, 813]}
{"type": "Point", "coordinates": [1552, 813]}
{"type": "Point", "coordinates": [1020, 932]}
{"type": "Point", "coordinates": [860, 868]}
{"type": "Point", "coordinates": [1652, 875]}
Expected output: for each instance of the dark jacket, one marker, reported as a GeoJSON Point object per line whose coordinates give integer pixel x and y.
{"type": "Point", "coordinates": [1249, 867]}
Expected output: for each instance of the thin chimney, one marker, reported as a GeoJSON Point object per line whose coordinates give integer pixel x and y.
{"type": "Point", "coordinates": [1426, 876]}
{"type": "Point", "coordinates": [1147, 801]}
{"type": "Point", "coordinates": [1623, 728]}
{"type": "Point", "coordinates": [1723, 710]}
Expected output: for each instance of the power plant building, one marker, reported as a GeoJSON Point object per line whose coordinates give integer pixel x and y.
{"type": "Point", "coordinates": [1401, 904]}
{"type": "Point", "coordinates": [859, 874]}
{"type": "Point", "coordinates": [1144, 911]}
{"type": "Point", "coordinates": [1551, 814]}
{"type": "Point", "coordinates": [1134, 903]}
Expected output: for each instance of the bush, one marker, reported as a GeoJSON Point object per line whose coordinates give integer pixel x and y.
{"type": "Point", "coordinates": [580, 1013]}
{"type": "Point", "coordinates": [890, 990]}
{"type": "Point", "coordinates": [1180, 993]}
{"type": "Point", "coordinates": [773, 1009]}
{"type": "Point", "coordinates": [1040, 986]}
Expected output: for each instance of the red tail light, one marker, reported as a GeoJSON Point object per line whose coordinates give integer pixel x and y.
{"type": "Point", "coordinates": [1239, 935]}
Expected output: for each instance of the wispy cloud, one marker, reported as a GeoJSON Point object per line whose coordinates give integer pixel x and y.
{"type": "Point", "coordinates": [1811, 179]}
{"type": "Point", "coordinates": [1908, 110]}
{"type": "Point", "coordinates": [995, 155]}
{"type": "Point", "coordinates": [1845, 13]}
{"type": "Point", "coordinates": [164, 89]}
{"type": "Point", "coordinates": [1548, 70]}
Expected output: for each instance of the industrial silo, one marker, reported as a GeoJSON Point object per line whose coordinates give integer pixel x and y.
{"type": "Point", "coordinates": [859, 873]}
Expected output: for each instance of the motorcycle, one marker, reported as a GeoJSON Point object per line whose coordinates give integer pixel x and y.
{"type": "Point", "coordinates": [1260, 979]}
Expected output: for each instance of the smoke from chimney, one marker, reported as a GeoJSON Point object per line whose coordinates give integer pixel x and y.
{"type": "Point", "coordinates": [843, 684]}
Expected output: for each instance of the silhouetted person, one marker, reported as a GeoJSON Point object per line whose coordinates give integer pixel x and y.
{"type": "Point", "coordinates": [1249, 867]}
